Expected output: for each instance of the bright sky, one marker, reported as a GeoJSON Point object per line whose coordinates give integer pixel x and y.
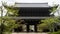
{"type": "Point", "coordinates": [34, 1]}
{"type": "Point", "coordinates": [31, 1]}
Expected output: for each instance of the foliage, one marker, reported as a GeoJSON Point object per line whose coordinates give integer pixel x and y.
{"type": "Point", "coordinates": [12, 12]}
{"type": "Point", "coordinates": [49, 23]}
{"type": "Point", "coordinates": [58, 32]}
{"type": "Point", "coordinates": [53, 9]}
{"type": "Point", "coordinates": [7, 23]}
{"type": "Point", "coordinates": [42, 26]}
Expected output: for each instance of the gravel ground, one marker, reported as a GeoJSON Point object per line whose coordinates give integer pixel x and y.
{"type": "Point", "coordinates": [29, 33]}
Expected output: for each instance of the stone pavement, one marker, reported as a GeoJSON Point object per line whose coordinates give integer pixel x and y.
{"type": "Point", "coordinates": [29, 33]}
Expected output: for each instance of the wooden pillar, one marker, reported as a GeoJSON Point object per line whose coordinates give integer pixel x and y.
{"type": "Point", "coordinates": [27, 28]}
{"type": "Point", "coordinates": [35, 27]}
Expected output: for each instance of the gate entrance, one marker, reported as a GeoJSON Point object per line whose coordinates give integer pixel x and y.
{"type": "Point", "coordinates": [31, 17]}
{"type": "Point", "coordinates": [30, 25]}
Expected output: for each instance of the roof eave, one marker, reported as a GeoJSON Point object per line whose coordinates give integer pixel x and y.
{"type": "Point", "coordinates": [31, 5]}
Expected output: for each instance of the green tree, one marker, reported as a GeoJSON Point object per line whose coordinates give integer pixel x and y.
{"type": "Point", "coordinates": [6, 22]}
{"type": "Point", "coordinates": [49, 23]}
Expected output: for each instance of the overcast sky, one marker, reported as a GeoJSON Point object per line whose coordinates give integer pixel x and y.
{"type": "Point", "coordinates": [30, 1]}
{"type": "Point", "coordinates": [34, 1]}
